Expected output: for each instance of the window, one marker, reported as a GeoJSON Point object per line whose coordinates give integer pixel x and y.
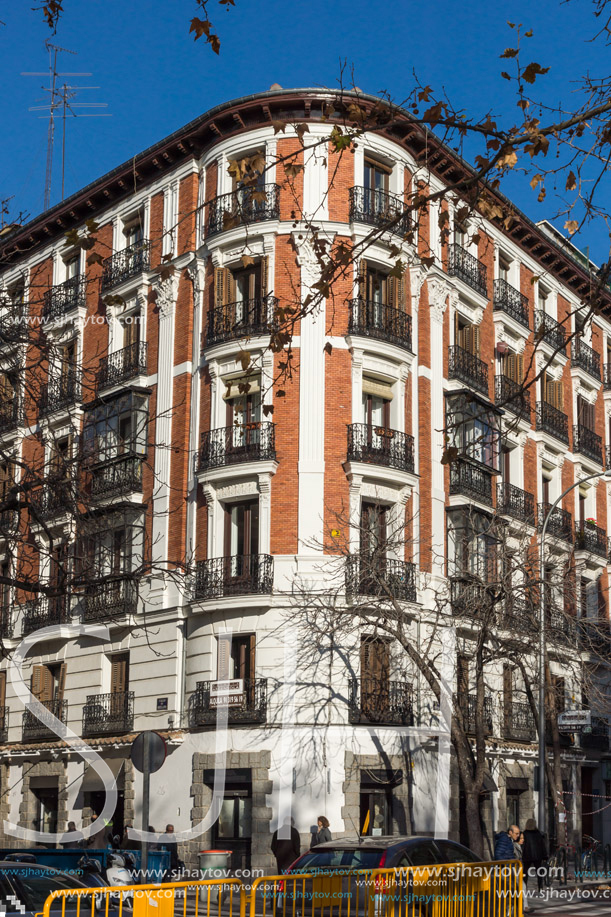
{"type": "Point", "coordinates": [5, 610]}
{"type": "Point", "coordinates": [242, 529]}
{"type": "Point", "coordinates": [117, 427]}
{"type": "Point", "coordinates": [376, 403]}
{"type": "Point", "coordinates": [585, 414]}
{"type": "Point", "coordinates": [471, 546]}
{"type": "Point", "coordinates": [72, 266]}
{"type": "Point", "coordinates": [59, 459]}
{"type": "Point", "coordinates": [543, 298]}
{"type": "Point", "coordinates": [373, 528]}
{"type": "Point", "coordinates": [467, 335]}
{"type": "Point", "coordinates": [119, 673]}
{"type": "Point", "coordinates": [130, 327]}
{"type": "Point", "coordinates": [472, 428]}
{"type": "Point", "coordinates": [545, 484]}
{"type": "Point", "coordinates": [504, 267]}
{"type": "Point", "coordinates": [8, 393]}
{"type": "Point", "coordinates": [243, 289]}
{"type": "Point", "coordinates": [552, 392]}
{"type": "Point", "coordinates": [375, 673]}
{"type": "Point", "coordinates": [376, 176]}
{"type": "Point", "coordinates": [513, 807]}
{"type": "Point", "coordinates": [46, 801]}
{"type": "Point", "coordinates": [513, 367]}
{"type": "Point", "coordinates": [239, 662]}
{"type": "Point", "coordinates": [48, 682]}
{"type": "Point", "coordinates": [453, 853]}
{"type": "Point", "coordinates": [59, 562]}
{"type": "Point", "coordinates": [376, 286]}
{"type": "Point", "coordinates": [134, 233]}
{"type": "Point", "coordinates": [461, 234]}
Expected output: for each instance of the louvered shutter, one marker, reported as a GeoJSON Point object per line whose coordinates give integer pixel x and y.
{"type": "Point", "coordinates": [475, 332]}
{"type": "Point", "coordinates": [511, 367]}
{"type": "Point", "coordinates": [507, 695]}
{"type": "Point", "coordinates": [222, 672]}
{"type": "Point", "coordinates": [2, 689]}
{"type": "Point", "coordinates": [61, 682]}
{"type": "Point", "coordinates": [519, 367]}
{"type": "Point", "coordinates": [466, 338]}
{"type": "Point", "coordinates": [37, 681]}
{"type": "Point", "coordinates": [393, 292]}
{"type": "Point", "coordinates": [265, 288]}
{"type": "Point", "coordinates": [119, 674]}
{"type": "Point", "coordinates": [252, 643]}
{"type": "Point", "coordinates": [363, 279]}
{"type": "Point", "coordinates": [560, 395]}
{"type": "Point", "coordinates": [46, 693]}
{"type": "Point", "coordinates": [222, 286]}
{"type": "Point", "coordinates": [401, 292]}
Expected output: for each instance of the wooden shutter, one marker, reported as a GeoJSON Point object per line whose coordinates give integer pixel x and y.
{"type": "Point", "coordinates": [510, 367]}
{"type": "Point", "coordinates": [462, 677]}
{"type": "Point", "coordinates": [224, 284]}
{"type": "Point", "coordinates": [363, 279]}
{"type": "Point", "coordinates": [2, 689]}
{"type": "Point", "coordinates": [507, 692]}
{"type": "Point", "coordinates": [375, 660]}
{"type": "Point", "coordinates": [475, 332]}
{"type": "Point", "coordinates": [131, 330]}
{"type": "Point", "coordinates": [37, 681]}
{"type": "Point", "coordinates": [265, 276]}
{"type": "Point", "coordinates": [252, 643]}
{"type": "Point", "coordinates": [61, 682]}
{"type": "Point", "coordinates": [222, 666]}
{"type": "Point", "coordinates": [392, 286]}
{"type": "Point", "coordinates": [119, 674]}
{"type": "Point", "coordinates": [6, 388]}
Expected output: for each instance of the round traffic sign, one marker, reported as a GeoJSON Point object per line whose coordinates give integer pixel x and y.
{"type": "Point", "coordinates": [157, 752]}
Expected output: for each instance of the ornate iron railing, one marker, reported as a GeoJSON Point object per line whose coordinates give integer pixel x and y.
{"type": "Point", "coordinates": [57, 498]}
{"type": "Point", "coordinates": [44, 612]}
{"type": "Point", "coordinates": [60, 394]}
{"type": "Point", "coordinates": [251, 708]}
{"type": "Point", "coordinates": [381, 446]}
{"type": "Point", "coordinates": [587, 359]}
{"type": "Point", "coordinates": [587, 442]}
{"type": "Point", "coordinates": [379, 576]}
{"type": "Point", "coordinates": [551, 420]}
{"type": "Point", "coordinates": [548, 330]}
{"type": "Point", "coordinates": [470, 480]}
{"type": "Point", "coordinates": [598, 738]}
{"type": "Point", "coordinates": [126, 264]}
{"type": "Point", "coordinates": [11, 414]}
{"type": "Point", "coordinates": [467, 704]}
{"type": "Point", "coordinates": [512, 396]}
{"type": "Point", "coordinates": [468, 368]}
{"type": "Point", "coordinates": [519, 722]}
{"type": "Point", "coordinates": [9, 522]}
{"type": "Point", "coordinates": [37, 731]}
{"type": "Point", "coordinates": [121, 475]}
{"type": "Point", "coordinates": [590, 537]}
{"type": "Point", "coordinates": [379, 208]}
{"type": "Point", "coordinates": [6, 621]}
{"type": "Point", "coordinates": [249, 442]}
{"type": "Point", "coordinates": [242, 574]}
{"type": "Point", "coordinates": [378, 320]}
{"type": "Point", "coordinates": [515, 502]}
{"type": "Point", "coordinates": [595, 635]}
{"type": "Point", "coordinates": [248, 318]}
{"type": "Point", "coordinates": [467, 267]}
{"type": "Point", "coordinates": [246, 205]}
{"type": "Point", "coordinates": [472, 595]}
{"type": "Point", "coordinates": [4, 723]}
{"type": "Point", "coordinates": [64, 297]}
{"type": "Point", "coordinates": [13, 323]}
{"type": "Point", "coordinates": [559, 622]}
{"type": "Point", "coordinates": [517, 615]}
{"type": "Point", "coordinates": [123, 365]}
{"type": "Point", "coordinates": [110, 598]}
{"type": "Point", "coordinates": [378, 700]}
{"type": "Point", "coordinates": [607, 377]}
{"type": "Point", "coordinates": [108, 714]}
{"type": "Point", "coordinates": [560, 524]}
{"type": "Point", "coordinates": [508, 299]}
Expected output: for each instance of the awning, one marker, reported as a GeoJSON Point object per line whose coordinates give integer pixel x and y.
{"type": "Point", "coordinates": [92, 782]}
{"type": "Point", "coordinates": [517, 783]}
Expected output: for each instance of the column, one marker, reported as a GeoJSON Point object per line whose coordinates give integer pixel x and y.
{"type": "Point", "coordinates": [438, 293]}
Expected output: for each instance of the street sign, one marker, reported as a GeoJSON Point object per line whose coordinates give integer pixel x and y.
{"type": "Point", "coordinates": [574, 720]}
{"type": "Point", "coordinates": [157, 752]}
{"type": "Point", "coordinates": [227, 693]}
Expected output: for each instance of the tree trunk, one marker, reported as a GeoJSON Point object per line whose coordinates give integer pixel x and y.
{"type": "Point", "coordinates": [474, 824]}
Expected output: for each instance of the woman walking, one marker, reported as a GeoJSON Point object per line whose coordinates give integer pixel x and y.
{"type": "Point", "coordinates": [323, 834]}
{"type": "Point", "coordinates": [534, 852]}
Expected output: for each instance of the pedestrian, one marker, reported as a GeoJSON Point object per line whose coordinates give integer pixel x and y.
{"type": "Point", "coordinates": [286, 849]}
{"type": "Point", "coordinates": [77, 842]}
{"type": "Point", "coordinates": [323, 834]}
{"type": "Point", "coordinates": [534, 852]}
{"type": "Point", "coordinates": [168, 840]}
{"type": "Point", "coordinates": [152, 845]}
{"type": "Point", "coordinates": [503, 843]}
{"type": "Point", "coordinates": [127, 842]}
{"type": "Point", "coordinates": [99, 837]}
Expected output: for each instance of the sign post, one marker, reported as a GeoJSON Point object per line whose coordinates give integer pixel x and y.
{"type": "Point", "coordinates": [148, 754]}
{"type": "Point", "coordinates": [574, 720]}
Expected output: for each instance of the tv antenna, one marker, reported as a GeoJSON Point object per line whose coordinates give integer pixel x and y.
{"type": "Point", "coordinates": [61, 101]}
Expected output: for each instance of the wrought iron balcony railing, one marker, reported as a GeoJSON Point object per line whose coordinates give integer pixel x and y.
{"type": "Point", "coordinates": [6, 621]}
{"type": "Point", "coordinates": [587, 359]}
{"type": "Point", "coordinates": [470, 480]}
{"type": "Point", "coordinates": [467, 267]}
{"type": "Point", "coordinates": [242, 574]}
{"type": "Point", "coordinates": [11, 414]}
{"type": "Point", "coordinates": [244, 206]}
{"type": "Point", "coordinates": [588, 443]}
{"type": "Point", "coordinates": [517, 615]}
{"type": "Point", "coordinates": [378, 320]}
{"type": "Point", "coordinates": [379, 208]}
{"type": "Point", "coordinates": [108, 714]}
{"type": "Point", "coordinates": [551, 420]}
{"type": "Point", "coordinates": [9, 522]}
{"type": "Point", "coordinates": [607, 377]}
{"type": "Point", "coordinates": [467, 705]}
{"type": "Point", "coordinates": [379, 576]}
{"type": "Point", "coordinates": [594, 635]}
{"type": "Point", "coordinates": [598, 738]}
{"type": "Point", "coordinates": [56, 499]}
{"type": "Point", "coordinates": [119, 476]}
{"type": "Point", "coordinates": [249, 442]}
{"type": "Point", "coordinates": [590, 537]}
{"type": "Point", "coordinates": [44, 612]}
{"type": "Point", "coordinates": [123, 365]}
{"type": "Point", "coordinates": [519, 723]}
{"type": "Point", "coordinates": [508, 299]}
{"type": "Point", "coordinates": [560, 524]}
{"type": "Point", "coordinates": [511, 395]}
{"type": "Point", "coordinates": [515, 502]}
{"type": "Point", "coordinates": [548, 330]}
{"type": "Point", "coordinates": [250, 707]}
{"type": "Point", "coordinates": [126, 264]}
{"type": "Point", "coordinates": [63, 298]}
{"type": "Point", "coordinates": [473, 595]}
{"type": "Point", "coordinates": [35, 730]}
{"type": "Point", "coordinates": [560, 622]}
{"type": "Point", "coordinates": [468, 368]}
{"type": "Point", "coordinates": [60, 394]}
{"type": "Point", "coordinates": [380, 446]}
{"type": "Point", "coordinates": [110, 598]}
{"type": "Point", "coordinates": [3, 724]}
{"type": "Point", "coordinates": [378, 700]}
{"type": "Point", "coordinates": [249, 318]}
{"type": "Point", "coordinates": [13, 323]}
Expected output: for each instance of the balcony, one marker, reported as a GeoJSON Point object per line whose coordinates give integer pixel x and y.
{"type": "Point", "coordinates": [118, 477]}
{"type": "Point", "coordinates": [45, 612]}
{"type": "Point", "coordinates": [560, 622]}
{"type": "Point", "coordinates": [590, 537]}
{"type": "Point", "coordinates": [381, 321]}
{"type": "Point", "coordinates": [379, 208]}
{"type": "Point", "coordinates": [57, 499]}
{"type": "Point", "coordinates": [380, 446]}
{"type": "Point", "coordinates": [60, 394]}
{"type": "Point", "coordinates": [63, 298]}
{"type": "Point", "coordinates": [11, 414]}
{"type": "Point", "coordinates": [249, 318]}
{"type": "Point", "coordinates": [467, 267]}
{"type": "Point", "coordinates": [607, 377]}
{"type": "Point", "coordinates": [512, 396]}
{"type": "Point", "coordinates": [598, 738]}
{"type": "Point", "coordinates": [470, 480]}
{"type": "Point", "coordinates": [242, 207]}
{"type": "Point", "coordinates": [380, 577]}
{"type": "Point", "coordinates": [381, 702]}
{"type": "Point", "coordinates": [250, 442]}
{"type": "Point", "coordinates": [468, 368]}
{"type": "Point", "coordinates": [110, 599]}
{"type": "Point", "coordinates": [6, 621]}
{"type": "Point", "coordinates": [13, 323]}
{"type": "Point", "coordinates": [586, 358]}
{"type": "Point", "coordinates": [3, 724]}
{"type": "Point", "coordinates": [588, 443]}
{"type": "Point", "coordinates": [126, 264]}
{"type": "Point", "coordinates": [560, 523]}
{"type": "Point", "coordinates": [243, 574]}
{"type": "Point", "coordinates": [551, 420]}
{"type": "Point", "coordinates": [36, 731]}
{"type": "Point", "coordinates": [519, 723]}
{"type": "Point", "coordinates": [123, 365]}
{"type": "Point", "coordinates": [515, 502]}
{"type": "Point", "coordinates": [246, 707]}
{"type": "Point", "coordinates": [508, 299]}
{"type": "Point", "coordinates": [467, 704]}
{"type": "Point", "coordinates": [550, 332]}
{"type": "Point", "coordinates": [595, 636]}
{"type": "Point", "coordinates": [9, 521]}
{"type": "Point", "coordinates": [473, 595]}
{"type": "Point", "coordinates": [518, 616]}
{"type": "Point", "coordinates": [108, 714]}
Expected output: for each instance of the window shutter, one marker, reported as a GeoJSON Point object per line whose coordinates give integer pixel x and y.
{"type": "Point", "coordinates": [519, 367]}
{"type": "Point", "coordinates": [365, 657]}
{"type": "Point", "coordinates": [363, 285]}
{"type": "Point", "coordinates": [393, 292]}
{"type": "Point", "coordinates": [462, 677]}
{"type": "Point", "coordinates": [560, 395]}
{"type": "Point", "coordinates": [2, 689]}
{"type": "Point", "coordinates": [467, 338]}
{"type": "Point", "coordinates": [222, 669]}
{"type": "Point", "coordinates": [61, 682]}
{"type": "Point", "coordinates": [510, 367]}
{"type": "Point", "coordinates": [223, 282]}
{"type": "Point", "coordinates": [475, 332]}
{"type": "Point", "coordinates": [252, 641]}
{"type": "Point", "coordinates": [46, 693]}
{"type": "Point", "coordinates": [265, 276]}
{"type": "Point", "coordinates": [401, 292]}
{"type": "Point", "coordinates": [37, 681]}
{"type": "Point", "coordinates": [119, 674]}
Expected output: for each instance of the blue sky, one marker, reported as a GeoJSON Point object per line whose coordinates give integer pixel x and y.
{"type": "Point", "coordinates": [155, 78]}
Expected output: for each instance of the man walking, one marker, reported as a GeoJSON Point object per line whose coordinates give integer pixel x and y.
{"type": "Point", "coordinates": [286, 849]}
{"type": "Point", "coordinates": [78, 842]}
{"type": "Point", "coordinates": [168, 840]}
{"type": "Point", "coordinates": [503, 844]}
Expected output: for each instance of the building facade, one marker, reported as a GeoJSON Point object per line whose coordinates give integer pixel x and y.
{"type": "Point", "coordinates": [195, 496]}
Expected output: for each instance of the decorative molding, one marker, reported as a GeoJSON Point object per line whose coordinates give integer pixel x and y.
{"type": "Point", "coordinates": [166, 291]}
{"type": "Point", "coordinates": [307, 258]}
{"type": "Point", "coordinates": [233, 491]}
{"type": "Point", "coordinates": [196, 272]}
{"type": "Point", "coordinates": [417, 276]}
{"type": "Point", "coordinates": [439, 291]}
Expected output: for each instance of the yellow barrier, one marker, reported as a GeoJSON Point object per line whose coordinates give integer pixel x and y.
{"type": "Point", "coordinates": [490, 889]}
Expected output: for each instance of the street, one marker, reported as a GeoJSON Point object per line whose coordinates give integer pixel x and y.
{"type": "Point", "coordinates": [568, 901]}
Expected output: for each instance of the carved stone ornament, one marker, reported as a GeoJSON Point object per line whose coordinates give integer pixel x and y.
{"type": "Point", "coordinates": [439, 291]}
{"type": "Point", "coordinates": [417, 276]}
{"type": "Point", "coordinates": [195, 270]}
{"type": "Point", "coordinates": [234, 491]}
{"type": "Point", "coordinates": [166, 294]}
{"type": "Point", "coordinates": [306, 253]}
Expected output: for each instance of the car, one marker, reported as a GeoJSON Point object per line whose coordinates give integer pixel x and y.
{"type": "Point", "coordinates": [25, 885]}
{"type": "Point", "coordinates": [383, 852]}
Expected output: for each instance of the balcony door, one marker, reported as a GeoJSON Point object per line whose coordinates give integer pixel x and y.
{"type": "Point", "coordinates": [239, 662]}
{"type": "Point", "coordinates": [241, 539]}
{"type": "Point", "coordinates": [376, 178]}
{"type": "Point", "coordinates": [243, 416]}
{"type": "Point", "coordinates": [376, 415]}
{"type": "Point", "coordinates": [119, 686]}
{"type": "Point", "coordinates": [375, 675]}
{"type": "Point", "coordinates": [247, 286]}
{"type": "Point", "coordinates": [59, 560]}
{"type": "Point", "coordinates": [585, 414]}
{"type": "Point", "coordinates": [373, 530]}
{"type": "Point", "coordinates": [48, 684]}
{"type": "Point", "coordinates": [467, 336]}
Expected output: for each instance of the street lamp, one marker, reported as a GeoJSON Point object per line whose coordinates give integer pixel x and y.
{"type": "Point", "coordinates": [542, 776]}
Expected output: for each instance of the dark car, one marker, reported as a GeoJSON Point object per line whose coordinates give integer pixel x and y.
{"type": "Point", "coordinates": [382, 853]}
{"type": "Point", "coordinates": [25, 886]}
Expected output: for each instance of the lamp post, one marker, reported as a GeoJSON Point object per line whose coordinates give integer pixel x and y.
{"type": "Point", "coordinates": [542, 776]}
